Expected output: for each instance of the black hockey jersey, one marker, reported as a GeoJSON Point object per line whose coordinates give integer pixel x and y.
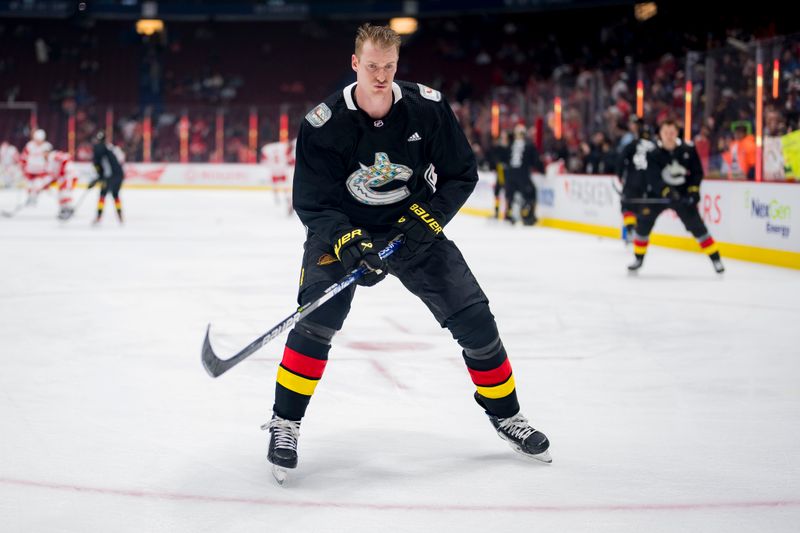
{"type": "Point", "coordinates": [106, 163]}
{"type": "Point", "coordinates": [677, 170]}
{"type": "Point", "coordinates": [356, 171]}
{"type": "Point", "coordinates": [632, 168]}
{"type": "Point", "coordinates": [523, 158]}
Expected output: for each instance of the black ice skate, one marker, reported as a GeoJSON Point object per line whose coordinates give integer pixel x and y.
{"type": "Point", "coordinates": [65, 213]}
{"type": "Point", "coordinates": [520, 435]}
{"type": "Point", "coordinates": [282, 445]}
{"type": "Point", "coordinates": [716, 260]}
{"type": "Point", "coordinates": [637, 263]}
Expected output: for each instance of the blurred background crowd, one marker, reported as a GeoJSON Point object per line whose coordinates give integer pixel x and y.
{"type": "Point", "coordinates": [575, 78]}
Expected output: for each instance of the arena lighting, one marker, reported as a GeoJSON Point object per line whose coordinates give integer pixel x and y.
{"type": "Point", "coordinates": [147, 135]}
{"type": "Point", "coordinates": [220, 137]}
{"type": "Point", "coordinates": [759, 110]}
{"type": "Point", "coordinates": [557, 117]}
{"type": "Point", "coordinates": [183, 131]}
{"type": "Point", "coordinates": [639, 98]}
{"type": "Point", "coordinates": [283, 129]}
{"type": "Point", "coordinates": [687, 118]}
{"type": "Point", "coordinates": [776, 78]}
{"type": "Point", "coordinates": [253, 135]}
{"type": "Point", "coordinates": [403, 25]}
{"type": "Point", "coordinates": [71, 134]}
{"type": "Point", "coordinates": [149, 26]}
{"type": "Point", "coordinates": [495, 120]}
{"type": "Point", "coordinates": [110, 124]}
{"type": "Point", "coordinates": [645, 10]}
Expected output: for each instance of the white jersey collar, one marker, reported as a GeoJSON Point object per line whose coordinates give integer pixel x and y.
{"type": "Point", "coordinates": [347, 92]}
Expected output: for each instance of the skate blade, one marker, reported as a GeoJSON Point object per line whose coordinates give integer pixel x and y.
{"type": "Point", "coordinates": [543, 457]}
{"type": "Point", "coordinates": [280, 474]}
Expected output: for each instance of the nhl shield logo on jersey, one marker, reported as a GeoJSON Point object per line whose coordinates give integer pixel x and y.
{"type": "Point", "coordinates": [362, 182]}
{"type": "Point", "coordinates": [430, 94]}
{"type": "Point", "coordinates": [319, 115]}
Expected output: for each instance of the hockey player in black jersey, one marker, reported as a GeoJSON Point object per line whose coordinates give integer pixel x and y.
{"type": "Point", "coordinates": [378, 160]}
{"type": "Point", "coordinates": [108, 166]}
{"type": "Point", "coordinates": [498, 159]}
{"type": "Point", "coordinates": [522, 160]}
{"type": "Point", "coordinates": [672, 176]}
{"type": "Point", "coordinates": [631, 169]}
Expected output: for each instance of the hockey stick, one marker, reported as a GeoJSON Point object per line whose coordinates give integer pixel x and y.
{"type": "Point", "coordinates": [216, 366]}
{"type": "Point", "coordinates": [22, 205]}
{"type": "Point", "coordinates": [77, 204]}
{"type": "Point", "coordinates": [19, 207]}
{"type": "Point", "coordinates": [646, 201]}
{"type": "Point", "coordinates": [616, 184]}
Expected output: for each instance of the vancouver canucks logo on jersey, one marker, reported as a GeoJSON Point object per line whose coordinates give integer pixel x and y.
{"type": "Point", "coordinates": [674, 174]}
{"type": "Point", "coordinates": [363, 181]}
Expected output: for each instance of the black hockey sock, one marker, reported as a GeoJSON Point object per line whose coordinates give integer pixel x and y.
{"type": "Point", "coordinates": [494, 381]}
{"type": "Point", "coordinates": [475, 330]}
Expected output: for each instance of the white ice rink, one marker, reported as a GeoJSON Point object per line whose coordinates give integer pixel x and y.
{"type": "Point", "coordinates": [672, 399]}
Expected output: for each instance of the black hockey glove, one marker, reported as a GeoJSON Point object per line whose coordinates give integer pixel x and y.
{"type": "Point", "coordinates": [693, 198]}
{"type": "Point", "coordinates": [420, 226]}
{"type": "Point", "coordinates": [670, 194]}
{"type": "Point", "coordinates": [355, 248]}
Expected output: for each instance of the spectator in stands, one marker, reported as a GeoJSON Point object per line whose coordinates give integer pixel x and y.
{"type": "Point", "coordinates": [599, 156]}
{"type": "Point", "coordinates": [702, 143]}
{"type": "Point", "coordinates": [741, 154]}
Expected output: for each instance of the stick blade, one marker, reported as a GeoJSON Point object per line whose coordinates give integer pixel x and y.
{"type": "Point", "coordinates": [211, 362]}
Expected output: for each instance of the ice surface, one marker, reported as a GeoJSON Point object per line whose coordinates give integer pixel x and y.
{"type": "Point", "coordinates": [671, 398]}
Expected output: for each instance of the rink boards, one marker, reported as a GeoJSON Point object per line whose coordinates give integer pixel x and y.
{"type": "Point", "coordinates": [750, 221]}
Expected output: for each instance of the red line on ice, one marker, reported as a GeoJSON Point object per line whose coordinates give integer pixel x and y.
{"type": "Point", "coordinates": [156, 495]}
{"type": "Point", "coordinates": [383, 371]}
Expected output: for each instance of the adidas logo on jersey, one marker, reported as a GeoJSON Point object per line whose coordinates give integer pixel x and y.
{"type": "Point", "coordinates": [414, 137]}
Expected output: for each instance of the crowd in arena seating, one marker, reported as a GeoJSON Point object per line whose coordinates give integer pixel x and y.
{"type": "Point", "coordinates": [520, 63]}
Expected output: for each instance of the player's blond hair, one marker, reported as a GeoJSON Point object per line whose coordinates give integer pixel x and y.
{"type": "Point", "coordinates": [381, 36]}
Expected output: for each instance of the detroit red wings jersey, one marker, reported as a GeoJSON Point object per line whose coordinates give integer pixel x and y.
{"type": "Point", "coordinates": [34, 157]}
{"type": "Point", "coordinates": [59, 165]}
{"type": "Point", "coordinates": [279, 159]}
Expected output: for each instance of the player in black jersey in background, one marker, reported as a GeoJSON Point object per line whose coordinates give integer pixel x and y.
{"type": "Point", "coordinates": [110, 174]}
{"type": "Point", "coordinates": [374, 161]}
{"type": "Point", "coordinates": [631, 168]}
{"type": "Point", "coordinates": [673, 173]}
{"type": "Point", "coordinates": [523, 159]}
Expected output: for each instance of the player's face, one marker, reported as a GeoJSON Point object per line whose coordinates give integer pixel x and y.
{"type": "Point", "coordinates": [376, 67]}
{"type": "Point", "coordinates": [669, 135]}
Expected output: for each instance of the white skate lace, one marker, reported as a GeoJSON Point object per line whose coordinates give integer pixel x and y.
{"type": "Point", "coordinates": [286, 432]}
{"type": "Point", "coordinates": [517, 426]}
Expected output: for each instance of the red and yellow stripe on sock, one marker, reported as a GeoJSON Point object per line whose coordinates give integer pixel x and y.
{"type": "Point", "coordinates": [496, 383]}
{"type": "Point", "coordinates": [300, 373]}
{"type": "Point", "coordinates": [628, 218]}
{"type": "Point", "coordinates": [708, 245]}
{"type": "Point", "coordinates": [118, 205]}
{"type": "Point", "coordinates": [640, 244]}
